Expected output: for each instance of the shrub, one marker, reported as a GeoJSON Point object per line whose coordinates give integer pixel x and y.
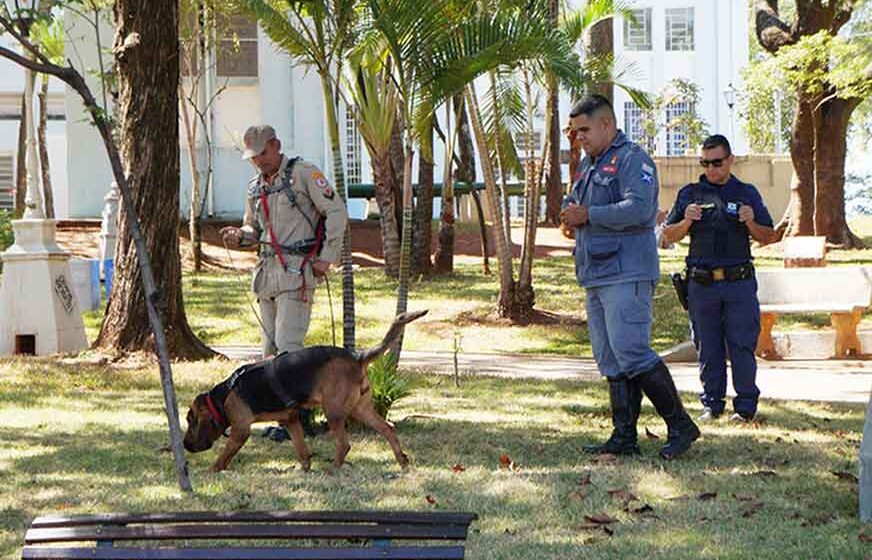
{"type": "Point", "coordinates": [388, 384]}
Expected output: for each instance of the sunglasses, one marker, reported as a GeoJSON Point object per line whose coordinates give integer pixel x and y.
{"type": "Point", "coordinates": [711, 162]}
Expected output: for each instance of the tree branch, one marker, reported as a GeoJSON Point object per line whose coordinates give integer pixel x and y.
{"type": "Point", "coordinates": [23, 41]}
{"type": "Point", "coordinates": [772, 32]}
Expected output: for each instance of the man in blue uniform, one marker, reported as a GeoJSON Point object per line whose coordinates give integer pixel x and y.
{"type": "Point", "coordinates": [613, 208]}
{"type": "Point", "coordinates": [722, 215]}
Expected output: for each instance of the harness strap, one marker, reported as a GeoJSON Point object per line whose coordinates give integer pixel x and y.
{"type": "Point", "coordinates": [319, 240]}
{"type": "Point", "coordinates": [269, 371]}
{"type": "Point", "coordinates": [272, 234]}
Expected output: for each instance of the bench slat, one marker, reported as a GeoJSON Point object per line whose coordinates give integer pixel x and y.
{"type": "Point", "coordinates": [405, 517]}
{"type": "Point", "coordinates": [397, 553]}
{"type": "Point", "coordinates": [244, 531]}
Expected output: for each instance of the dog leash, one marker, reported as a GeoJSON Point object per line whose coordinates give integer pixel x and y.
{"type": "Point", "coordinates": [238, 275]}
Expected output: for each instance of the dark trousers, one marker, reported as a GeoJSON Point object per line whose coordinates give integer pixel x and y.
{"type": "Point", "coordinates": [725, 316]}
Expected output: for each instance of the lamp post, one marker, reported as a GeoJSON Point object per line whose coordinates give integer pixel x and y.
{"type": "Point", "coordinates": [730, 99]}
{"type": "Point", "coordinates": [23, 12]}
{"type": "Point", "coordinates": [39, 313]}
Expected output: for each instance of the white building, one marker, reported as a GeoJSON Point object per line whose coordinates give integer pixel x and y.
{"type": "Point", "coordinates": [704, 41]}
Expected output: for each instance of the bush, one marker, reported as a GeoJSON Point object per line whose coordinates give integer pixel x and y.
{"type": "Point", "coordinates": [388, 384]}
{"type": "Point", "coordinates": [6, 237]}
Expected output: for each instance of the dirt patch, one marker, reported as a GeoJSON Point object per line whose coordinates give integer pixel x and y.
{"type": "Point", "coordinates": [82, 240]}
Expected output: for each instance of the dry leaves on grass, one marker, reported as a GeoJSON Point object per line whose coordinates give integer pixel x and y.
{"type": "Point", "coordinates": [706, 496]}
{"type": "Point", "coordinates": [621, 494]}
{"type": "Point", "coordinates": [604, 459]}
{"type": "Point", "coordinates": [846, 476]}
{"type": "Point", "coordinates": [743, 497]}
{"type": "Point", "coordinates": [507, 463]}
{"type": "Point", "coordinates": [458, 468]}
{"type": "Point", "coordinates": [430, 499]}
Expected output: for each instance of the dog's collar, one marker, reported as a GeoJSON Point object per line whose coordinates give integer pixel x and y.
{"type": "Point", "coordinates": [216, 415]}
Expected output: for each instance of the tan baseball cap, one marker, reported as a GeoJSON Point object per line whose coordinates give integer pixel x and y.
{"type": "Point", "coordinates": [255, 139]}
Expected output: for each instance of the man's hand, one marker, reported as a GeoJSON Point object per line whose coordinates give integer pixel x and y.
{"type": "Point", "coordinates": [693, 212]}
{"type": "Point", "coordinates": [746, 213]}
{"type": "Point", "coordinates": [574, 215]}
{"type": "Point", "coordinates": [320, 268]}
{"type": "Point", "coordinates": [231, 235]}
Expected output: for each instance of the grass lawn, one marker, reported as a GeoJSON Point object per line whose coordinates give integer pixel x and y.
{"type": "Point", "coordinates": [78, 438]}
{"type": "Point", "coordinates": [218, 307]}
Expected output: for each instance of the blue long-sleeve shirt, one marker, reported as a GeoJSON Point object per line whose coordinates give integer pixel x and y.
{"type": "Point", "coordinates": [620, 189]}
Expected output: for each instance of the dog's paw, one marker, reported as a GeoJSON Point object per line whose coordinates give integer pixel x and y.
{"type": "Point", "coordinates": [404, 461]}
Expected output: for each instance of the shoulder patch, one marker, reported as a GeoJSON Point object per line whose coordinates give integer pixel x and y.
{"type": "Point", "coordinates": [647, 168]}
{"type": "Point", "coordinates": [319, 179]}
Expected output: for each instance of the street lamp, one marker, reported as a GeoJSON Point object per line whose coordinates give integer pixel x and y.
{"type": "Point", "coordinates": [23, 13]}
{"type": "Point", "coordinates": [730, 99]}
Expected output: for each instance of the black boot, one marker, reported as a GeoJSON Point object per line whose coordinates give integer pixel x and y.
{"type": "Point", "coordinates": [626, 398]}
{"type": "Point", "coordinates": [658, 386]}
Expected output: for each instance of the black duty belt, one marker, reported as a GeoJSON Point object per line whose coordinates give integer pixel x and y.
{"type": "Point", "coordinates": [301, 248]}
{"type": "Point", "coordinates": [729, 274]}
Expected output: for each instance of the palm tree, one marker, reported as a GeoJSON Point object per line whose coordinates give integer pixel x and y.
{"type": "Point", "coordinates": [376, 105]}
{"type": "Point", "coordinates": [320, 34]}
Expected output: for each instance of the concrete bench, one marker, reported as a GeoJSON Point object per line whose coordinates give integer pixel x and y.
{"type": "Point", "coordinates": [843, 292]}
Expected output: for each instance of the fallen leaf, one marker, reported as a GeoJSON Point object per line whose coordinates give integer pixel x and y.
{"type": "Point", "coordinates": [705, 496]}
{"type": "Point", "coordinates": [604, 459]}
{"type": "Point", "coordinates": [752, 509]}
{"type": "Point", "coordinates": [743, 497]}
{"type": "Point", "coordinates": [584, 480]}
{"type": "Point", "coordinates": [590, 526]}
{"type": "Point", "coordinates": [505, 461]}
{"type": "Point", "coordinates": [511, 532]}
{"type": "Point", "coordinates": [608, 530]}
{"type": "Point", "coordinates": [703, 519]}
{"type": "Point", "coordinates": [458, 468]}
{"type": "Point", "coordinates": [621, 494]}
{"type": "Point", "coordinates": [779, 439]}
{"type": "Point", "coordinates": [846, 476]}
{"type": "Point", "coordinates": [430, 499]}
{"type": "Point", "coordinates": [650, 434]}
{"type": "Point", "coordinates": [681, 498]}
{"type": "Point", "coordinates": [601, 518]}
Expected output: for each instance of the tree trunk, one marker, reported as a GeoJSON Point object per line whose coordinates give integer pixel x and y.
{"type": "Point", "coordinates": [147, 64]}
{"type": "Point", "coordinates": [553, 183]}
{"type": "Point", "coordinates": [831, 133]}
{"type": "Point", "coordinates": [466, 172]}
{"type": "Point", "coordinates": [44, 164]}
{"type": "Point", "coordinates": [443, 259]}
{"type": "Point", "coordinates": [799, 217]}
{"type": "Point", "coordinates": [406, 243]}
{"type": "Point", "coordinates": [601, 44]}
{"type": "Point", "coordinates": [348, 313]}
{"type": "Point", "coordinates": [504, 254]}
{"type": "Point", "coordinates": [386, 198]}
{"type": "Point", "coordinates": [423, 237]}
{"type": "Point", "coordinates": [21, 163]}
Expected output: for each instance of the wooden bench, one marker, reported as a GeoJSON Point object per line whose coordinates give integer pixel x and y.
{"type": "Point", "coordinates": [843, 292]}
{"type": "Point", "coordinates": [216, 535]}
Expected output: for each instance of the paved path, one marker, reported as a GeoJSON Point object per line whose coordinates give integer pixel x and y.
{"type": "Point", "coordinates": [817, 380]}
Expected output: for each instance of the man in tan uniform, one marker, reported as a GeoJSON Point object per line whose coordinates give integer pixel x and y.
{"type": "Point", "coordinates": [290, 211]}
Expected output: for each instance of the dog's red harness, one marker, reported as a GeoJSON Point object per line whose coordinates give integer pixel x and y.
{"type": "Point", "coordinates": [213, 412]}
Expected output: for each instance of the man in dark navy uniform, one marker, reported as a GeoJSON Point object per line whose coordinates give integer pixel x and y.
{"type": "Point", "coordinates": [613, 210]}
{"type": "Point", "coordinates": [722, 215]}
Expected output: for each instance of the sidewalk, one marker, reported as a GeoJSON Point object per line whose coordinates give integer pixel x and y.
{"type": "Point", "coordinates": [814, 380]}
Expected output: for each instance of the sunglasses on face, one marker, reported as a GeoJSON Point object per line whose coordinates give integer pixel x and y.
{"type": "Point", "coordinates": [711, 162]}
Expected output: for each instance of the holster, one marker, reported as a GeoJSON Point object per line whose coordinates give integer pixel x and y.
{"type": "Point", "coordinates": [680, 284]}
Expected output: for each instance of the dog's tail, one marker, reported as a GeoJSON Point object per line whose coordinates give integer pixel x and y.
{"type": "Point", "coordinates": [366, 356]}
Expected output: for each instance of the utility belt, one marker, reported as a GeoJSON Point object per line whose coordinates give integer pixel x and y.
{"type": "Point", "coordinates": [706, 276]}
{"type": "Point", "coordinates": [300, 248]}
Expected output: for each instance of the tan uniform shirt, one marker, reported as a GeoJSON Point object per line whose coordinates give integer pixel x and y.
{"type": "Point", "coordinates": [292, 223]}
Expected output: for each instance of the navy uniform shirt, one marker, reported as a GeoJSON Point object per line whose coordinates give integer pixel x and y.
{"type": "Point", "coordinates": [719, 239]}
{"type": "Point", "coordinates": [620, 189]}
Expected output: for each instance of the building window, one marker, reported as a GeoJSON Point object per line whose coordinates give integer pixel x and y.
{"type": "Point", "coordinates": [637, 32]}
{"type": "Point", "coordinates": [679, 29]}
{"type": "Point", "coordinates": [237, 50]}
{"type": "Point", "coordinates": [676, 137]}
{"type": "Point", "coordinates": [353, 146]}
{"type": "Point", "coordinates": [633, 121]}
{"type": "Point", "coordinates": [7, 182]}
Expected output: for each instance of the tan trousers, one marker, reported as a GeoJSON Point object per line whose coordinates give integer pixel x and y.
{"type": "Point", "coordinates": [285, 321]}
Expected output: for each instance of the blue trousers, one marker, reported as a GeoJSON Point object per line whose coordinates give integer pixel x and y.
{"type": "Point", "coordinates": [725, 316]}
{"type": "Point", "coordinates": [619, 321]}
